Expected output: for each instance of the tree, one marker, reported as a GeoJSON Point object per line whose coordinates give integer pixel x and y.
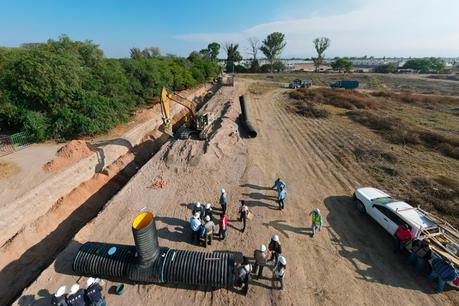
{"type": "Point", "coordinates": [425, 65]}
{"type": "Point", "coordinates": [232, 56]}
{"type": "Point", "coordinates": [214, 50]}
{"type": "Point", "coordinates": [135, 53]}
{"type": "Point", "coordinates": [272, 47]}
{"type": "Point", "coordinates": [320, 44]}
{"type": "Point", "coordinates": [341, 64]}
{"type": "Point", "coordinates": [386, 68]}
{"type": "Point", "coordinates": [279, 66]}
{"type": "Point", "coordinates": [254, 46]}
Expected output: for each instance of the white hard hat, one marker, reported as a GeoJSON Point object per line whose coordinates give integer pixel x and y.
{"type": "Point", "coordinates": [207, 205]}
{"type": "Point", "coordinates": [90, 281]}
{"type": "Point", "coordinates": [263, 248]}
{"type": "Point", "coordinates": [60, 291]}
{"type": "Point", "coordinates": [223, 190]}
{"type": "Point", "coordinates": [282, 260]}
{"type": "Point", "coordinates": [207, 218]}
{"type": "Point", "coordinates": [74, 288]}
{"type": "Point", "coordinates": [248, 267]}
{"type": "Point", "coordinates": [198, 204]}
{"type": "Point", "coordinates": [318, 210]}
{"type": "Point", "coordinates": [275, 238]}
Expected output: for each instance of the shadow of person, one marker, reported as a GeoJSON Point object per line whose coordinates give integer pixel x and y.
{"type": "Point", "coordinates": [252, 203]}
{"type": "Point", "coordinates": [260, 196]}
{"type": "Point", "coordinates": [284, 228]}
{"type": "Point", "coordinates": [257, 187]}
{"type": "Point", "coordinates": [181, 232]}
{"type": "Point", "coordinates": [43, 299]}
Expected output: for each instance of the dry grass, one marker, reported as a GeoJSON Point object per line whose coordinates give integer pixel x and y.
{"type": "Point", "coordinates": [347, 99]}
{"type": "Point", "coordinates": [426, 101]}
{"type": "Point", "coordinates": [374, 155]}
{"type": "Point", "coordinates": [8, 169]}
{"type": "Point", "coordinates": [308, 109]}
{"type": "Point", "coordinates": [397, 131]}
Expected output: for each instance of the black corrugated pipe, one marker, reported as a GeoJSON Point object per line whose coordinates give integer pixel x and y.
{"type": "Point", "coordinates": [245, 119]}
{"type": "Point", "coordinates": [146, 262]}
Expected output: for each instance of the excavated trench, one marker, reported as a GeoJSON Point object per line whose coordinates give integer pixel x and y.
{"type": "Point", "coordinates": [51, 233]}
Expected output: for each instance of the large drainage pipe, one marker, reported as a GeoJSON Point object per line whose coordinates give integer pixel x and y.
{"type": "Point", "coordinates": [245, 119]}
{"type": "Point", "coordinates": [146, 262]}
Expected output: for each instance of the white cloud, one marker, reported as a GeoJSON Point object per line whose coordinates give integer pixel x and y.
{"type": "Point", "coordinates": [390, 27]}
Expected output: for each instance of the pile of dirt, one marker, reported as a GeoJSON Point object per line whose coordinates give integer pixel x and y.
{"type": "Point", "coordinates": [71, 153]}
{"type": "Point", "coordinates": [8, 169]}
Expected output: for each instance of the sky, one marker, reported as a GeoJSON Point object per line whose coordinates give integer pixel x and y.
{"type": "Point", "coordinates": [378, 28]}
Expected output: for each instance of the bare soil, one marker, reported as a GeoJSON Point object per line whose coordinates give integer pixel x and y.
{"type": "Point", "coordinates": [349, 262]}
{"type": "Point", "coordinates": [8, 169]}
{"type": "Point", "coordinates": [69, 154]}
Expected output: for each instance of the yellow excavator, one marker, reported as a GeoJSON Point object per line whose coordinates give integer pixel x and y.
{"type": "Point", "coordinates": [194, 124]}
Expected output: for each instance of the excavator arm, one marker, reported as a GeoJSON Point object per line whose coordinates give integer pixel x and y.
{"type": "Point", "coordinates": [166, 97]}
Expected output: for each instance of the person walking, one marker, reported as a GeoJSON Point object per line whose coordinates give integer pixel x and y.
{"type": "Point", "coordinates": [281, 197]}
{"type": "Point", "coordinates": [76, 296]}
{"type": "Point", "coordinates": [223, 201]}
{"type": "Point", "coordinates": [278, 184]}
{"type": "Point", "coordinates": [223, 227]}
{"type": "Point", "coordinates": [210, 228]}
{"type": "Point", "coordinates": [59, 298]}
{"type": "Point", "coordinates": [93, 295]}
{"type": "Point", "coordinates": [195, 224]}
{"type": "Point", "coordinates": [316, 221]}
{"type": "Point", "coordinates": [279, 272]}
{"type": "Point", "coordinates": [275, 248]}
{"type": "Point", "coordinates": [243, 214]}
{"type": "Point", "coordinates": [243, 275]}
{"type": "Point", "coordinates": [261, 259]}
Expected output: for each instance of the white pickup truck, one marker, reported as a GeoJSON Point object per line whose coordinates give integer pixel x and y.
{"type": "Point", "coordinates": [390, 213]}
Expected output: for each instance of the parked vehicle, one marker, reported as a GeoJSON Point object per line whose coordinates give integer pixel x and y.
{"type": "Point", "coordinates": [391, 213]}
{"type": "Point", "coordinates": [346, 84]}
{"type": "Point", "coordinates": [300, 84]}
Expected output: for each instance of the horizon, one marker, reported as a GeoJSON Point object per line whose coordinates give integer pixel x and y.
{"type": "Point", "coordinates": [356, 27]}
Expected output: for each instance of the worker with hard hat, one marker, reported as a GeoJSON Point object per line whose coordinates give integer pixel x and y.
{"type": "Point", "coordinates": [208, 211]}
{"type": "Point", "coordinates": [223, 225]}
{"type": "Point", "coordinates": [243, 275]}
{"type": "Point", "coordinates": [210, 228]}
{"type": "Point", "coordinates": [278, 184]}
{"type": "Point", "coordinates": [195, 224]}
{"type": "Point", "coordinates": [243, 214]}
{"type": "Point", "coordinates": [93, 294]}
{"type": "Point", "coordinates": [281, 195]}
{"type": "Point", "coordinates": [198, 208]}
{"type": "Point", "coordinates": [60, 298]}
{"type": "Point", "coordinates": [261, 259]}
{"type": "Point", "coordinates": [275, 248]}
{"type": "Point", "coordinates": [279, 271]}
{"type": "Point", "coordinates": [223, 201]}
{"type": "Point", "coordinates": [76, 296]}
{"type": "Point", "coordinates": [317, 222]}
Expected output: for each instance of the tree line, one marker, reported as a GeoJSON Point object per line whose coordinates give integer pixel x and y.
{"type": "Point", "coordinates": [62, 88]}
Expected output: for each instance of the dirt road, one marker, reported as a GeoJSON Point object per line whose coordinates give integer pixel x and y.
{"type": "Point", "coordinates": [349, 262]}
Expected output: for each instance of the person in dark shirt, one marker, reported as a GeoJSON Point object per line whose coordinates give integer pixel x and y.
{"type": "Point", "coordinates": [59, 298]}
{"type": "Point", "coordinates": [76, 296]}
{"type": "Point", "coordinates": [93, 294]}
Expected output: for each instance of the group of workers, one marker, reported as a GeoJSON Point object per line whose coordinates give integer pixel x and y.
{"type": "Point", "coordinates": [421, 256]}
{"type": "Point", "coordinates": [263, 257]}
{"type": "Point", "coordinates": [91, 296]}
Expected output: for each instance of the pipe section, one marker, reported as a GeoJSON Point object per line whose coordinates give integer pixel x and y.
{"type": "Point", "coordinates": [146, 262]}
{"type": "Point", "coordinates": [245, 119]}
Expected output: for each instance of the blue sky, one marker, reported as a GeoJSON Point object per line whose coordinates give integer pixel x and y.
{"type": "Point", "coordinates": [356, 27]}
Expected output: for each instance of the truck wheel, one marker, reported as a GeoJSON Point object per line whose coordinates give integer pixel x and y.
{"type": "Point", "coordinates": [361, 207]}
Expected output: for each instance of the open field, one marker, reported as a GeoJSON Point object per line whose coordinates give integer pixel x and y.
{"type": "Point", "coordinates": [322, 161]}
{"type": "Point", "coordinates": [396, 82]}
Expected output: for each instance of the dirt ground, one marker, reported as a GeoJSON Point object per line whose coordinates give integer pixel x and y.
{"type": "Point", "coordinates": [349, 262]}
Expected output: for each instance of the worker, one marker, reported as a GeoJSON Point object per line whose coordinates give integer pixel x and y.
{"type": "Point", "coordinates": [223, 201]}
{"type": "Point", "coordinates": [402, 235]}
{"type": "Point", "coordinates": [76, 296]}
{"type": "Point", "coordinates": [275, 248]}
{"type": "Point", "coordinates": [261, 259]}
{"type": "Point", "coordinates": [223, 225]}
{"type": "Point", "coordinates": [59, 298]}
{"type": "Point", "coordinates": [442, 270]}
{"type": "Point", "coordinates": [210, 228]}
{"type": "Point", "coordinates": [282, 193]}
{"type": "Point", "coordinates": [278, 185]}
{"type": "Point", "coordinates": [243, 214]}
{"type": "Point", "coordinates": [243, 275]}
{"type": "Point", "coordinates": [198, 208]}
{"type": "Point", "coordinates": [279, 271]}
{"type": "Point", "coordinates": [93, 294]}
{"type": "Point", "coordinates": [208, 211]}
{"type": "Point", "coordinates": [317, 222]}
{"type": "Point", "coordinates": [420, 253]}
{"type": "Point", "coordinates": [195, 224]}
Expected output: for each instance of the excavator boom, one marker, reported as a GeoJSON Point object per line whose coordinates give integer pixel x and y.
{"type": "Point", "coordinates": [166, 97]}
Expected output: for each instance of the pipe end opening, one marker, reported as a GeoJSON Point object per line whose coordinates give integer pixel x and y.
{"type": "Point", "coordinates": [142, 220]}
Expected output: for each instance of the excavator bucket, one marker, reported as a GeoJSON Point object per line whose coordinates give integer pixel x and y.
{"type": "Point", "coordinates": [166, 129]}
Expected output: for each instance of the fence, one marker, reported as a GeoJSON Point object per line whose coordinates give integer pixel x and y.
{"type": "Point", "coordinates": [14, 142]}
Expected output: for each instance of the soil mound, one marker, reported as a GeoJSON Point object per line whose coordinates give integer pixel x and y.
{"type": "Point", "coordinates": [69, 154]}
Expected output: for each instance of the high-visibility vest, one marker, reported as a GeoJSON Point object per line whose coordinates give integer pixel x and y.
{"type": "Point", "coordinates": [316, 218]}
